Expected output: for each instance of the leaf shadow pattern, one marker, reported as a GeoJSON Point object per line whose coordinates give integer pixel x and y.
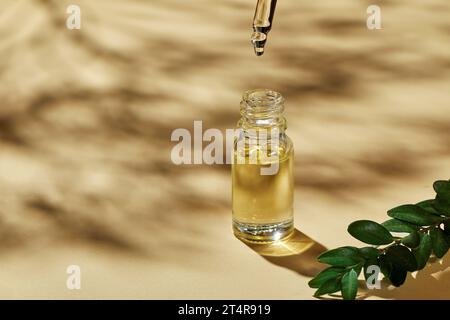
{"type": "Point", "coordinates": [297, 253]}
{"type": "Point", "coordinates": [82, 228]}
{"type": "Point", "coordinates": [86, 116]}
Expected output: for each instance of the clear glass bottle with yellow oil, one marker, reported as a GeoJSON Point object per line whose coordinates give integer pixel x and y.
{"type": "Point", "coordinates": [262, 170]}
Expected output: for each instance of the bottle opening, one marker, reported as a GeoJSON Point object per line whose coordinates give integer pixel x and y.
{"type": "Point", "coordinates": [262, 107]}
{"type": "Point", "coordinates": [263, 98]}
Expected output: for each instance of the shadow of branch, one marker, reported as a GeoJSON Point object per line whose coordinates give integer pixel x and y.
{"type": "Point", "coordinates": [431, 283]}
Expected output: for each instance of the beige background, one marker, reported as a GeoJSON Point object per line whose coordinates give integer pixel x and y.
{"type": "Point", "coordinates": [86, 118]}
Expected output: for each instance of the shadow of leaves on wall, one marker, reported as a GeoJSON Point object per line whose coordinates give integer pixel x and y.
{"type": "Point", "coordinates": [87, 115]}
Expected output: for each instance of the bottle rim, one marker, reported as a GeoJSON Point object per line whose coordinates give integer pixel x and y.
{"type": "Point", "coordinates": [262, 108]}
{"type": "Point", "coordinates": [264, 98]}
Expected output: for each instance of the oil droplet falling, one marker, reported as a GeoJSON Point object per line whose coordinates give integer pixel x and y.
{"type": "Point", "coordinates": [258, 40]}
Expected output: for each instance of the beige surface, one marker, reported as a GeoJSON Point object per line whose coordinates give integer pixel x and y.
{"type": "Point", "coordinates": [86, 117]}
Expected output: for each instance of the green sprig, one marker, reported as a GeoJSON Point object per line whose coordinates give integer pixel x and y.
{"type": "Point", "coordinates": [400, 245]}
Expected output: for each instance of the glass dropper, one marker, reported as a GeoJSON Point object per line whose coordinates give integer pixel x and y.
{"type": "Point", "coordinates": [262, 23]}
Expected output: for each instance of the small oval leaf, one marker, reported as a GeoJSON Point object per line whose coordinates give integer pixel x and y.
{"type": "Point", "coordinates": [423, 252]}
{"type": "Point", "coordinates": [369, 252]}
{"type": "Point", "coordinates": [385, 265]}
{"type": "Point", "coordinates": [349, 285]}
{"type": "Point", "coordinates": [401, 258]}
{"type": "Point", "coordinates": [325, 275]}
{"type": "Point", "coordinates": [414, 214]}
{"type": "Point", "coordinates": [442, 188]}
{"type": "Point", "coordinates": [341, 257]}
{"type": "Point", "coordinates": [428, 205]}
{"type": "Point", "coordinates": [328, 287]}
{"type": "Point", "coordinates": [395, 225]}
{"type": "Point", "coordinates": [439, 242]}
{"type": "Point", "coordinates": [370, 232]}
{"type": "Point", "coordinates": [397, 276]}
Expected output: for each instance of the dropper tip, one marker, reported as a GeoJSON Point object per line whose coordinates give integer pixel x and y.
{"type": "Point", "coordinates": [259, 51]}
{"type": "Point", "coordinates": [258, 40]}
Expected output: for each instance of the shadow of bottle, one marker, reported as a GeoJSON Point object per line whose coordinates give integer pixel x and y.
{"type": "Point", "coordinates": [298, 253]}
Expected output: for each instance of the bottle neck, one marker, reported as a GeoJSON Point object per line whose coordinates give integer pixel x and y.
{"type": "Point", "coordinates": [262, 109]}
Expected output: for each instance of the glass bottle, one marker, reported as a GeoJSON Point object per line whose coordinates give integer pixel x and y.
{"type": "Point", "coordinates": [263, 184]}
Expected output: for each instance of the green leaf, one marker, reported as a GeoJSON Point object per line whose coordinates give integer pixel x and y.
{"type": "Point", "coordinates": [325, 275]}
{"type": "Point", "coordinates": [423, 252]}
{"type": "Point", "coordinates": [401, 258]}
{"type": "Point", "coordinates": [391, 268]}
{"type": "Point", "coordinates": [328, 287]}
{"type": "Point", "coordinates": [439, 242]}
{"type": "Point", "coordinates": [395, 225]}
{"type": "Point", "coordinates": [414, 214]}
{"type": "Point", "coordinates": [442, 201]}
{"type": "Point", "coordinates": [442, 188]}
{"type": "Point", "coordinates": [442, 205]}
{"type": "Point", "coordinates": [428, 205]}
{"type": "Point", "coordinates": [385, 266]}
{"type": "Point", "coordinates": [370, 232]}
{"type": "Point", "coordinates": [349, 285]}
{"type": "Point", "coordinates": [397, 276]}
{"type": "Point", "coordinates": [341, 257]}
{"type": "Point", "coordinates": [412, 241]}
{"type": "Point", "coordinates": [369, 252]}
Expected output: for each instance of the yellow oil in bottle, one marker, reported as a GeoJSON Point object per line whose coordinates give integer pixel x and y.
{"type": "Point", "coordinates": [263, 204]}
